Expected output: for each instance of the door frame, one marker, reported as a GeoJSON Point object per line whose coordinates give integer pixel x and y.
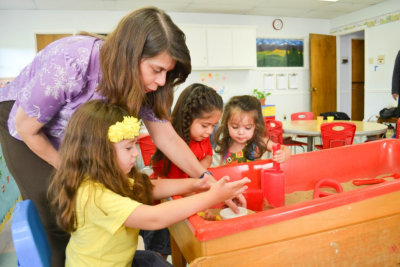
{"type": "Point", "coordinates": [344, 80]}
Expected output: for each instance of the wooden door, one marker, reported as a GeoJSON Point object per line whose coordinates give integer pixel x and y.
{"type": "Point", "coordinates": [323, 73]}
{"type": "Point", "coordinates": [42, 40]}
{"type": "Point", "coordinates": [357, 80]}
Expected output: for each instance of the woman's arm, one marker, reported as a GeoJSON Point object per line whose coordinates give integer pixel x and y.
{"type": "Point", "coordinates": [169, 212]}
{"type": "Point", "coordinates": [164, 188]}
{"type": "Point", "coordinates": [174, 148]}
{"type": "Point", "coordinates": [29, 129]}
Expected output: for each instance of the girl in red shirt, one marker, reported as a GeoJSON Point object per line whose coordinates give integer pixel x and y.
{"type": "Point", "coordinates": [196, 112]}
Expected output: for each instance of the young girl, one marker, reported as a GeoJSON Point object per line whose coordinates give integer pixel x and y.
{"type": "Point", "coordinates": [102, 200]}
{"type": "Point", "coordinates": [196, 112]}
{"type": "Point", "coordinates": [240, 137]}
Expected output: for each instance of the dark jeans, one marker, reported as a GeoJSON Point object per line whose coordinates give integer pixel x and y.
{"type": "Point", "coordinates": [157, 241]}
{"type": "Point", "coordinates": [147, 258]}
{"type": "Point", "coordinates": [32, 175]}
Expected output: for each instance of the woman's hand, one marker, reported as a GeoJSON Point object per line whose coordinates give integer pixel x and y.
{"type": "Point", "coordinates": [29, 129]}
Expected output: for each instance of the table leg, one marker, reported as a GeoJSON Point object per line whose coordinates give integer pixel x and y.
{"type": "Point", "coordinates": [310, 143]}
{"type": "Point", "coordinates": [178, 260]}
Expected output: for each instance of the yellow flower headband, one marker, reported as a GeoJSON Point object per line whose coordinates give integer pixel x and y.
{"type": "Point", "coordinates": [127, 129]}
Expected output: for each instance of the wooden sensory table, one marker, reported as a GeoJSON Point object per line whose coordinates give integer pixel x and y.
{"type": "Point", "coordinates": [358, 227]}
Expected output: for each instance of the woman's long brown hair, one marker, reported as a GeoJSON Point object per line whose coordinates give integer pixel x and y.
{"type": "Point", "coordinates": [144, 33]}
{"type": "Point", "coordinates": [87, 153]}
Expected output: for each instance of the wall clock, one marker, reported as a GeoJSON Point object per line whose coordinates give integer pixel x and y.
{"type": "Point", "coordinates": [277, 24]}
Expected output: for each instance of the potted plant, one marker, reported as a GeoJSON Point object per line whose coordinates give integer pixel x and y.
{"type": "Point", "coordinates": [261, 95]}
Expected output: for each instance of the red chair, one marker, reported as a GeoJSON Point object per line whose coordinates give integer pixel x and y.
{"type": "Point", "coordinates": [274, 131]}
{"type": "Point", "coordinates": [302, 116]}
{"type": "Point", "coordinates": [335, 134]}
{"type": "Point", "coordinates": [306, 115]}
{"type": "Point", "coordinates": [397, 128]}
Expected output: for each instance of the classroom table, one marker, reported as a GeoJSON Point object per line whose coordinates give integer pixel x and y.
{"type": "Point", "coordinates": [311, 129]}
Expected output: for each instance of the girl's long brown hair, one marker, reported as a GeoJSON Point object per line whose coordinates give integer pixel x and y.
{"type": "Point", "coordinates": [243, 103]}
{"type": "Point", "coordinates": [143, 33]}
{"type": "Point", "coordinates": [87, 153]}
{"type": "Point", "coordinates": [194, 102]}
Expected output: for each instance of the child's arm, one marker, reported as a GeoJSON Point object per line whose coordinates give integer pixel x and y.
{"type": "Point", "coordinates": [167, 213]}
{"type": "Point", "coordinates": [170, 187]}
{"type": "Point", "coordinates": [281, 155]}
{"type": "Point", "coordinates": [206, 161]}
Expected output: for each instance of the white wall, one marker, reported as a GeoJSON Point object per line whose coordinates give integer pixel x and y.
{"type": "Point", "coordinates": [236, 82]}
{"type": "Point", "coordinates": [381, 40]}
{"type": "Point", "coordinates": [17, 47]}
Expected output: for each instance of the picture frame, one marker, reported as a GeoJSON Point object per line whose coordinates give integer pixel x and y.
{"type": "Point", "coordinates": [280, 52]}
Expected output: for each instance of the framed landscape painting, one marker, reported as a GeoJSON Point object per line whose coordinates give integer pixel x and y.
{"type": "Point", "coordinates": [280, 52]}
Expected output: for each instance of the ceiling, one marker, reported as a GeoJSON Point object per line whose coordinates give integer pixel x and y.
{"type": "Point", "coordinates": [282, 8]}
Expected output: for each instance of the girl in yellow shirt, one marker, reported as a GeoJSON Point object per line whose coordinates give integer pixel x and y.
{"type": "Point", "coordinates": [103, 201]}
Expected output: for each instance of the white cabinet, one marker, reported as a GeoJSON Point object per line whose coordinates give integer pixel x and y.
{"type": "Point", "coordinates": [196, 42]}
{"type": "Point", "coordinates": [221, 47]}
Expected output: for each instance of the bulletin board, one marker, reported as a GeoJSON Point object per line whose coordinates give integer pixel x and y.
{"type": "Point", "coordinates": [9, 192]}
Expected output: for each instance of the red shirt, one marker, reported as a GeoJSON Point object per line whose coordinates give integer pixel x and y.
{"type": "Point", "coordinates": [200, 150]}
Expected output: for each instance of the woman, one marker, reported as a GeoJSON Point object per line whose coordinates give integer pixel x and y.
{"type": "Point", "coordinates": [136, 67]}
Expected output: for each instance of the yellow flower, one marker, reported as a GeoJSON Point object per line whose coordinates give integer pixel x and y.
{"type": "Point", "coordinates": [127, 129]}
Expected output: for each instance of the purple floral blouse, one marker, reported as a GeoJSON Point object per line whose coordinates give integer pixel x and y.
{"type": "Point", "coordinates": [61, 77]}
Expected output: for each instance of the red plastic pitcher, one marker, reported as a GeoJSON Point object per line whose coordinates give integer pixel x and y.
{"type": "Point", "coordinates": [273, 183]}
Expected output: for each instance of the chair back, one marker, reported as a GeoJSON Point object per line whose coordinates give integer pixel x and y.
{"type": "Point", "coordinates": [28, 235]}
{"type": "Point", "coordinates": [147, 148]}
{"type": "Point", "coordinates": [335, 134]}
{"type": "Point", "coordinates": [397, 128]}
{"type": "Point", "coordinates": [302, 116]}
{"type": "Point", "coordinates": [274, 130]}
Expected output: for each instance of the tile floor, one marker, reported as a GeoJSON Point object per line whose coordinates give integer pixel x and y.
{"type": "Point", "coordinates": [7, 253]}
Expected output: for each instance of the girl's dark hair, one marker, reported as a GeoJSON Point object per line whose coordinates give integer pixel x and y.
{"type": "Point", "coordinates": [143, 33]}
{"type": "Point", "coordinates": [195, 101]}
{"type": "Point", "coordinates": [248, 104]}
{"type": "Point", "coordinates": [87, 153]}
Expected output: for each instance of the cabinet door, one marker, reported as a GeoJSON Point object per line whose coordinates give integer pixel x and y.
{"type": "Point", "coordinates": [196, 42]}
{"type": "Point", "coordinates": [244, 47]}
{"type": "Point", "coordinates": [219, 45]}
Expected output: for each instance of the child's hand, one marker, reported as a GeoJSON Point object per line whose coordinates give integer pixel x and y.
{"type": "Point", "coordinates": [226, 190]}
{"type": "Point", "coordinates": [210, 215]}
{"type": "Point", "coordinates": [281, 155]}
{"type": "Point", "coordinates": [237, 201]}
